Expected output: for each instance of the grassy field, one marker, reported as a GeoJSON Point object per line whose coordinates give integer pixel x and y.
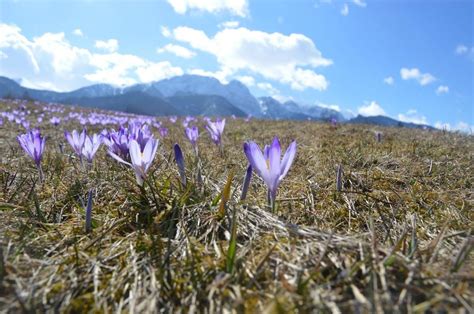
{"type": "Point", "coordinates": [397, 237]}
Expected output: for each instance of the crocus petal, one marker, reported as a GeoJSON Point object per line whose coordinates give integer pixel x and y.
{"type": "Point", "coordinates": [116, 157]}
{"type": "Point", "coordinates": [274, 155]}
{"type": "Point", "coordinates": [135, 153]}
{"type": "Point", "coordinates": [288, 159]}
{"type": "Point", "coordinates": [256, 160]}
{"type": "Point", "coordinates": [266, 151]}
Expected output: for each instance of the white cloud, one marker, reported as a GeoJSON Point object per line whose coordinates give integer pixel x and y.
{"type": "Point", "coordinates": [78, 32]}
{"type": "Point", "coordinates": [235, 7]}
{"type": "Point", "coordinates": [220, 75]}
{"type": "Point", "coordinates": [442, 89]}
{"type": "Point", "coordinates": [3, 55]}
{"type": "Point", "coordinates": [461, 49]}
{"type": "Point", "coordinates": [247, 80]}
{"type": "Point", "coordinates": [165, 31]}
{"type": "Point", "coordinates": [371, 109]}
{"type": "Point", "coordinates": [464, 127]}
{"type": "Point", "coordinates": [412, 116]}
{"type": "Point", "coordinates": [360, 3]}
{"type": "Point", "coordinates": [157, 71]}
{"type": "Point", "coordinates": [282, 98]}
{"type": "Point", "coordinates": [267, 87]}
{"type": "Point", "coordinates": [229, 24]}
{"type": "Point", "coordinates": [345, 9]}
{"type": "Point", "coordinates": [461, 126]}
{"type": "Point", "coordinates": [275, 56]}
{"type": "Point", "coordinates": [110, 45]}
{"type": "Point", "coordinates": [329, 106]}
{"type": "Point", "coordinates": [415, 74]}
{"type": "Point", "coordinates": [442, 126]}
{"type": "Point", "coordinates": [389, 80]}
{"type": "Point", "coordinates": [50, 61]}
{"type": "Point", "coordinates": [177, 50]}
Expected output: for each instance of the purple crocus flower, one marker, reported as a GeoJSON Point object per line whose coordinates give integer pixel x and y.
{"type": "Point", "coordinates": [33, 144]}
{"type": "Point", "coordinates": [268, 165]}
{"type": "Point", "coordinates": [140, 159]}
{"type": "Point", "coordinates": [117, 141]}
{"type": "Point", "coordinates": [55, 121]}
{"type": "Point", "coordinates": [76, 140]}
{"type": "Point", "coordinates": [91, 145]}
{"type": "Point", "coordinates": [378, 136]}
{"type": "Point", "coordinates": [163, 132]}
{"type": "Point", "coordinates": [216, 129]}
{"type": "Point", "coordinates": [192, 133]}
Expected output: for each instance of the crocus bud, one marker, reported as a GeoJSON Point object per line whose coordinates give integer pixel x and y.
{"type": "Point", "coordinates": [178, 156]}
{"type": "Point", "coordinates": [245, 186]}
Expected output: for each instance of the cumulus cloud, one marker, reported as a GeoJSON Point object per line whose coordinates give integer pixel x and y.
{"type": "Point", "coordinates": [165, 31]}
{"type": "Point", "coordinates": [247, 80]}
{"type": "Point", "coordinates": [442, 89]}
{"type": "Point", "coordinates": [51, 61]}
{"type": "Point", "coordinates": [177, 50]}
{"type": "Point", "coordinates": [463, 50]}
{"type": "Point", "coordinates": [78, 32]}
{"type": "Point", "coordinates": [268, 88]}
{"type": "Point", "coordinates": [345, 9]}
{"type": "Point", "coordinates": [229, 24]}
{"type": "Point", "coordinates": [329, 106]}
{"type": "Point", "coordinates": [389, 80]}
{"type": "Point", "coordinates": [415, 74]}
{"type": "Point", "coordinates": [412, 116]}
{"type": "Point", "coordinates": [235, 7]}
{"type": "Point", "coordinates": [157, 71]}
{"type": "Point", "coordinates": [110, 45]}
{"type": "Point", "coordinates": [275, 56]}
{"type": "Point", "coordinates": [461, 126]}
{"type": "Point", "coordinates": [371, 109]}
{"type": "Point", "coordinates": [360, 3]}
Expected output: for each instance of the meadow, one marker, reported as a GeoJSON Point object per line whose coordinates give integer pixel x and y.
{"type": "Point", "coordinates": [394, 235]}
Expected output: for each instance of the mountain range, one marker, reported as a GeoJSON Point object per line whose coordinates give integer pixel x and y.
{"type": "Point", "coordinates": [186, 95]}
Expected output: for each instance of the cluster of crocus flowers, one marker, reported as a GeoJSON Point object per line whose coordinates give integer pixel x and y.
{"type": "Point", "coordinates": [163, 132]}
{"type": "Point", "coordinates": [55, 121]}
{"type": "Point", "coordinates": [76, 140]}
{"type": "Point", "coordinates": [268, 165]}
{"type": "Point", "coordinates": [192, 133]}
{"type": "Point", "coordinates": [91, 145]}
{"type": "Point", "coordinates": [141, 159]}
{"type": "Point", "coordinates": [118, 141]}
{"type": "Point", "coordinates": [216, 129]}
{"type": "Point", "coordinates": [33, 144]}
{"type": "Point", "coordinates": [83, 144]}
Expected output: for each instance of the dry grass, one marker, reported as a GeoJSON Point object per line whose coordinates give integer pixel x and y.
{"type": "Point", "coordinates": [398, 237]}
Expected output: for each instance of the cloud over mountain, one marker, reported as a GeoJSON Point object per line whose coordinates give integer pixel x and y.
{"type": "Point", "coordinates": [289, 59]}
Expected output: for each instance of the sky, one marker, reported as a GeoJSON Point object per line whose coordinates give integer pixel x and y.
{"type": "Point", "coordinates": [410, 60]}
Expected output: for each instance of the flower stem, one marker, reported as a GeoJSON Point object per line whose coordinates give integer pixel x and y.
{"type": "Point", "coordinates": [272, 200]}
{"type": "Point", "coordinates": [41, 175]}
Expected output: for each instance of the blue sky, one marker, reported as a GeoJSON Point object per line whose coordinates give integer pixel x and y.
{"type": "Point", "coordinates": [411, 60]}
